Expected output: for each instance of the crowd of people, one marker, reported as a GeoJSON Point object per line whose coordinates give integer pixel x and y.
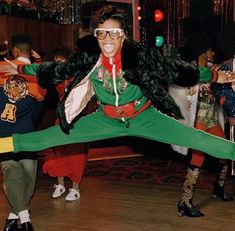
{"type": "Point", "coordinates": [130, 82]}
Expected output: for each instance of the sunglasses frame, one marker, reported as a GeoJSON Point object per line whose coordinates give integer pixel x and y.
{"type": "Point", "coordinates": [121, 31]}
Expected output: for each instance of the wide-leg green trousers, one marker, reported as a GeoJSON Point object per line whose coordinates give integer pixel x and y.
{"type": "Point", "coordinates": [150, 124]}
{"type": "Point", "coordinates": [19, 182]}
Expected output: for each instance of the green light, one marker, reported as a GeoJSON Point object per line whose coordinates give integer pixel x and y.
{"type": "Point", "coordinates": [159, 41]}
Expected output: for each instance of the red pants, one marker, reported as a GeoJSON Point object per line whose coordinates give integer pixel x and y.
{"type": "Point", "coordinates": [66, 161]}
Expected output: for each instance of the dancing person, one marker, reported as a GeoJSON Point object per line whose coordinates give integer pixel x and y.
{"type": "Point", "coordinates": [66, 160]}
{"type": "Point", "coordinates": [20, 108]}
{"type": "Point", "coordinates": [207, 119]}
{"type": "Point", "coordinates": [224, 93]}
{"type": "Point", "coordinates": [126, 78]}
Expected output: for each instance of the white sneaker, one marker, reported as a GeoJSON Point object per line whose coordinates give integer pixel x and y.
{"type": "Point", "coordinates": [59, 190]}
{"type": "Point", "coordinates": [72, 195]}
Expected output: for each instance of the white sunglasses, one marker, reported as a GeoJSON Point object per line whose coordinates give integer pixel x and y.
{"type": "Point", "coordinates": [114, 33]}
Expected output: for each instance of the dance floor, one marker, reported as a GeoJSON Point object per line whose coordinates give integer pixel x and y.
{"type": "Point", "coordinates": [115, 205]}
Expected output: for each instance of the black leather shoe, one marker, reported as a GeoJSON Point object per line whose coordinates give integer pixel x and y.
{"type": "Point", "coordinates": [190, 211]}
{"type": "Point", "coordinates": [11, 225]}
{"type": "Point", "coordinates": [27, 226]}
{"type": "Point", "coordinates": [224, 196]}
{"type": "Point", "coordinates": [219, 192]}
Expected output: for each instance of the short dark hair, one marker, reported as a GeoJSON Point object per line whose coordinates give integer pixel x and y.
{"type": "Point", "coordinates": [111, 12]}
{"type": "Point", "coordinates": [63, 51]}
{"type": "Point", "coordinates": [23, 42]}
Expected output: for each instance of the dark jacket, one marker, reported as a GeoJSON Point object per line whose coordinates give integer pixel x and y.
{"type": "Point", "coordinates": [142, 66]}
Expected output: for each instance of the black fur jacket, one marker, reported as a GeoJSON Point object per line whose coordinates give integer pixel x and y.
{"type": "Point", "coordinates": [142, 66]}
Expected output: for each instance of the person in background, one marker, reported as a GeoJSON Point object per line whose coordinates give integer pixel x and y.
{"type": "Point", "coordinates": [225, 93]}
{"type": "Point", "coordinates": [20, 108]}
{"type": "Point", "coordinates": [66, 160]}
{"type": "Point", "coordinates": [3, 50]}
{"type": "Point", "coordinates": [207, 119]}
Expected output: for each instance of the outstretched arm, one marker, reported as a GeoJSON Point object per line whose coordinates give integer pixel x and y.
{"type": "Point", "coordinates": [11, 68]}
{"type": "Point", "coordinates": [8, 67]}
{"type": "Point", "coordinates": [28, 69]}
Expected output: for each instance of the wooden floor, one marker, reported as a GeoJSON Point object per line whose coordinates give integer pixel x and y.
{"type": "Point", "coordinates": [118, 206]}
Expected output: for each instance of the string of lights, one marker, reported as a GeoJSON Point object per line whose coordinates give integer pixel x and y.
{"type": "Point", "coordinates": [168, 17]}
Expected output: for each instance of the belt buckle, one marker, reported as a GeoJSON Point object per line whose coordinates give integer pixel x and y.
{"type": "Point", "coordinates": [119, 112]}
{"type": "Point", "coordinates": [121, 116]}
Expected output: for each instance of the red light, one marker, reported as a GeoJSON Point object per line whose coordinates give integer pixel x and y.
{"type": "Point", "coordinates": [159, 16]}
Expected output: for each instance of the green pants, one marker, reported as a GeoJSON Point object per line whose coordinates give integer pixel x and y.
{"type": "Point", "coordinates": [150, 124]}
{"type": "Point", "coordinates": [19, 182]}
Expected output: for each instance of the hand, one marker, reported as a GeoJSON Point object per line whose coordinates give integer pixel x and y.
{"type": "Point", "coordinates": [9, 68]}
{"type": "Point", "coordinates": [35, 55]}
{"type": "Point", "coordinates": [202, 60]}
{"type": "Point", "coordinates": [210, 54]}
{"type": "Point", "coordinates": [226, 76]}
